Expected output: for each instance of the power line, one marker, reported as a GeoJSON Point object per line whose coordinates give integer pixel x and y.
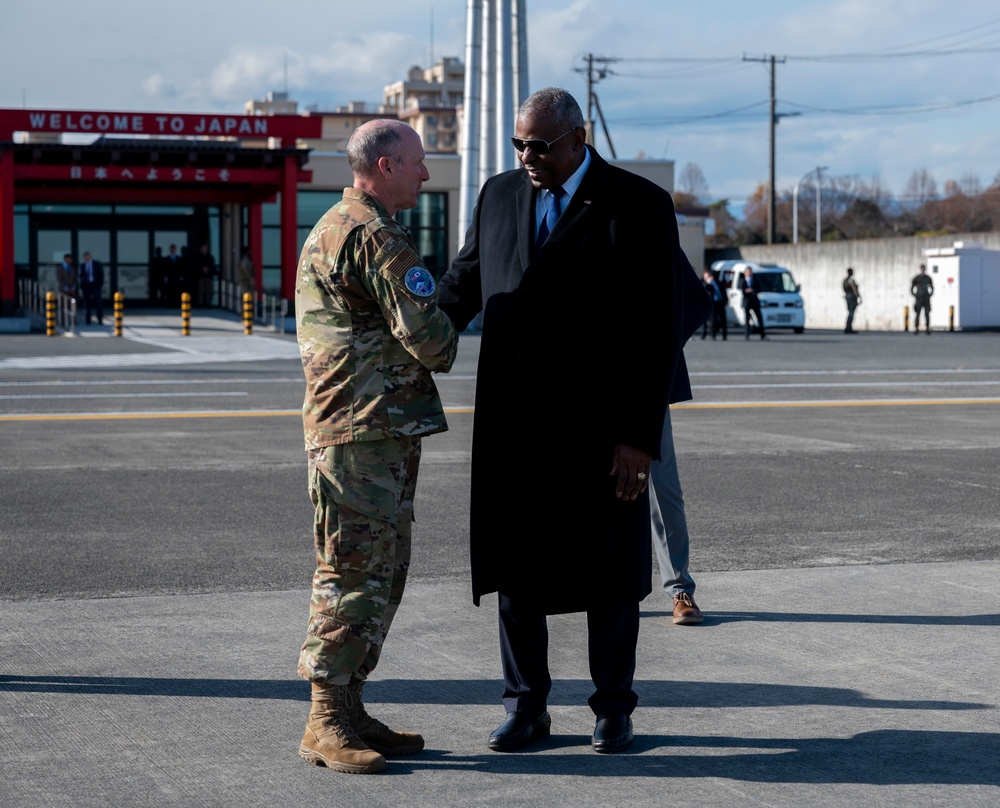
{"type": "Point", "coordinates": [895, 109]}
{"type": "Point", "coordinates": [875, 57]}
{"type": "Point", "coordinates": [865, 111]}
{"type": "Point", "coordinates": [689, 118]}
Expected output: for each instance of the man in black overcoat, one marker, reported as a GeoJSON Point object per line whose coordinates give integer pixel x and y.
{"type": "Point", "coordinates": [581, 340]}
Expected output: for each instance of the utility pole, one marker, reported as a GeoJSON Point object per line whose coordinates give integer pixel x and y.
{"type": "Point", "coordinates": [590, 97]}
{"type": "Point", "coordinates": [594, 76]}
{"type": "Point", "coordinates": [771, 206]}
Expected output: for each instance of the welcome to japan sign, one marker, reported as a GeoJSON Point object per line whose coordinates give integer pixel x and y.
{"type": "Point", "coordinates": [158, 123]}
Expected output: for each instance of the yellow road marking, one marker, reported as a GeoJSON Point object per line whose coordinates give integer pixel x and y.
{"type": "Point", "coordinates": [916, 402]}
{"type": "Point", "coordinates": [139, 416]}
{"type": "Point", "coordinates": [735, 405]}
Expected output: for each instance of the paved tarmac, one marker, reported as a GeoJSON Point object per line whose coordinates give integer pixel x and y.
{"type": "Point", "coordinates": [835, 685]}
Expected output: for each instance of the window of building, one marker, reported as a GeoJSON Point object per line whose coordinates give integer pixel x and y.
{"type": "Point", "coordinates": [311, 206]}
{"type": "Point", "coordinates": [427, 223]}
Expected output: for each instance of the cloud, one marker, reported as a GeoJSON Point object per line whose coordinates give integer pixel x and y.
{"type": "Point", "coordinates": [156, 88]}
{"type": "Point", "coordinates": [348, 68]}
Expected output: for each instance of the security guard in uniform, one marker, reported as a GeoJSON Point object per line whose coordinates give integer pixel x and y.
{"type": "Point", "coordinates": [852, 296]}
{"type": "Point", "coordinates": [370, 333]}
{"type": "Point", "coordinates": [922, 287]}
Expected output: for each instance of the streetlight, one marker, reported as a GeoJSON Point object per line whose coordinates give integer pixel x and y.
{"type": "Point", "coordinates": [818, 171]}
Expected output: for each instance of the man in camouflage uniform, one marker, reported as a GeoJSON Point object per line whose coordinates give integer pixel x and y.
{"type": "Point", "coordinates": [922, 287]}
{"type": "Point", "coordinates": [370, 333]}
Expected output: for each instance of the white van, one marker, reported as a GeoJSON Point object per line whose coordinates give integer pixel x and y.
{"type": "Point", "coordinates": [780, 301]}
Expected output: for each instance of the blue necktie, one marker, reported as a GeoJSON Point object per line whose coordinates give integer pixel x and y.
{"type": "Point", "coordinates": [552, 211]}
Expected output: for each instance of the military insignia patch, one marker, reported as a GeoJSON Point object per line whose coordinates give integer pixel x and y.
{"type": "Point", "coordinates": [420, 282]}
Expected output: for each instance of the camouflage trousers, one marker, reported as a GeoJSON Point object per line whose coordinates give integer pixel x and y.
{"type": "Point", "coordinates": [363, 495]}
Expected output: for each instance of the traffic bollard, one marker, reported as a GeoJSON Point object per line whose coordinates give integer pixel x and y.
{"type": "Point", "coordinates": [247, 313]}
{"type": "Point", "coordinates": [50, 314]}
{"type": "Point", "coordinates": [186, 314]}
{"type": "Point", "coordinates": [119, 312]}
{"type": "Point", "coordinates": [951, 318]}
{"type": "Point", "coordinates": [906, 318]}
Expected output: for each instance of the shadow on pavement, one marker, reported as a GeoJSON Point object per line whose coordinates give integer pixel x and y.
{"type": "Point", "coordinates": [565, 692]}
{"type": "Point", "coordinates": [881, 757]}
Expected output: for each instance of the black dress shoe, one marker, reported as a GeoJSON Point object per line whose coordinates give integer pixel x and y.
{"type": "Point", "coordinates": [518, 730]}
{"type": "Point", "coordinates": [613, 733]}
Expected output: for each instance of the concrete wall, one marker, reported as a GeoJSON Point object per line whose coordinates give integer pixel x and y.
{"type": "Point", "coordinates": [882, 267]}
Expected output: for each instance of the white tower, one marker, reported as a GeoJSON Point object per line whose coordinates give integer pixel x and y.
{"type": "Point", "coordinates": [496, 82]}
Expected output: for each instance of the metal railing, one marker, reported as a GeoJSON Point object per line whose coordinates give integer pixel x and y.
{"type": "Point", "coordinates": [31, 298]}
{"type": "Point", "coordinates": [269, 310]}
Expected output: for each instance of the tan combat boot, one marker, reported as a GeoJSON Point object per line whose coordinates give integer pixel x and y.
{"type": "Point", "coordinates": [329, 740]}
{"type": "Point", "coordinates": [378, 736]}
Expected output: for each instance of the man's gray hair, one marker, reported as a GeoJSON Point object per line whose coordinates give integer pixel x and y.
{"type": "Point", "coordinates": [370, 141]}
{"type": "Point", "coordinates": [556, 102]}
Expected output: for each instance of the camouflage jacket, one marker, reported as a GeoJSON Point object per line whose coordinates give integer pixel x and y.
{"type": "Point", "coordinates": [369, 329]}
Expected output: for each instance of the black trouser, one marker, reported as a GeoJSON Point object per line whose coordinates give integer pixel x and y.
{"type": "Point", "coordinates": [613, 631]}
{"type": "Point", "coordinates": [852, 306]}
{"type": "Point", "coordinates": [717, 320]}
{"type": "Point", "coordinates": [754, 307]}
{"type": "Point", "coordinates": [92, 302]}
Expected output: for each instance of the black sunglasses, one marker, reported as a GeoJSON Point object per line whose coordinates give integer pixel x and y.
{"type": "Point", "coordinates": [538, 146]}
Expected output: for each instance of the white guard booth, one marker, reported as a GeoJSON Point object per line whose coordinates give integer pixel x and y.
{"type": "Point", "coordinates": [967, 277]}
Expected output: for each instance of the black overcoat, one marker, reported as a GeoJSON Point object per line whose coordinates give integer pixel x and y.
{"type": "Point", "coordinates": [580, 346]}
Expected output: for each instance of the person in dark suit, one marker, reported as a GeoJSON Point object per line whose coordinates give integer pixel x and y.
{"type": "Point", "coordinates": [671, 539]}
{"type": "Point", "coordinates": [92, 287]}
{"type": "Point", "coordinates": [205, 273]}
{"type": "Point", "coordinates": [751, 303]}
{"type": "Point", "coordinates": [67, 277]}
{"type": "Point", "coordinates": [173, 276]}
{"type": "Point", "coordinates": [574, 264]}
{"type": "Point", "coordinates": [718, 318]}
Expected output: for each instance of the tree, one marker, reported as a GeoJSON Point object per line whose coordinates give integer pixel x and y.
{"type": "Point", "coordinates": [692, 183]}
{"type": "Point", "coordinates": [864, 219]}
{"type": "Point", "coordinates": [857, 208]}
{"type": "Point", "coordinates": [920, 189]}
{"type": "Point", "coordinates": [754, 227]}
{"type": "Point", "coordinates": [725, 224]}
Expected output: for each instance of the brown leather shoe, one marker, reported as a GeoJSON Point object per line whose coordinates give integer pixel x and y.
{"type": "Point", "coordinates": [686, 612]}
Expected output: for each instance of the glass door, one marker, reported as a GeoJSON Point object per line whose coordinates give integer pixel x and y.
{"type": "Point", "coordinates": [170, 249]}
{"type": "Point", "coordinates": [50, 247]}
{"type": "Point", "coordinates": [124, 242]}
{"type": "Point", "coordinates": [98, 243]}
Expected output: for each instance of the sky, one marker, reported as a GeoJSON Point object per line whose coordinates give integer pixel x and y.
{"type": "Point", "coordinates": [866, 89]}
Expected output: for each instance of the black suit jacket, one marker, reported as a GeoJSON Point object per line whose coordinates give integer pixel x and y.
{"type": "Point", "coordinates": [581, 343]}
{"type": "Point", "coordinates": [97, 284]}
{"type": "Point", "coordinates": [750, 298]}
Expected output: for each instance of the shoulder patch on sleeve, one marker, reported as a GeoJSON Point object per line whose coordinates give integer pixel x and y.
{"type": "Point", "coordinates": [419, 281]}
{"type": "Point", "coordinates": [398, 259]}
